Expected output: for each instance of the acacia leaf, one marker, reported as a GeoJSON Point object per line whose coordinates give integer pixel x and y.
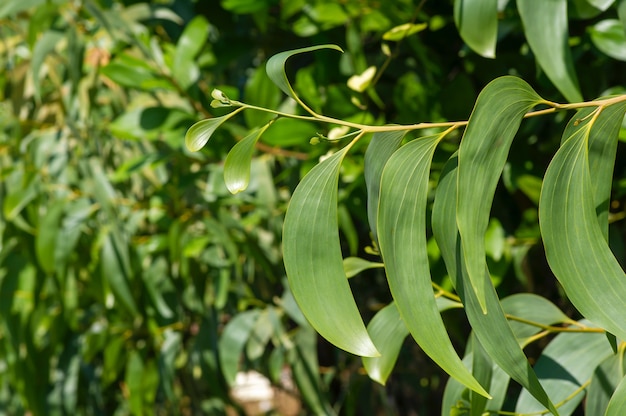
{"type": "Point", "coordinates": [378, 152]}
{"type": "Point", "coordinates": [564, 366]}
{"type": "Point", "coordinates": [314, 263]}
{"type": "Point", "coordinates": [492, 328]}
{"type": "Point", "coordinates": [575, 244]}
{"type": "Point", "coordinates": [477, 23]}
{"type": "Point", "coordinates": [275, 67]}
{"type": "Point", "coordinates": [199, 134]}
{"type": "Point", "coordinates": [484, 148]}
{"type": "Point", "coordinates": [606, 378]}
{"type": "Point", "coordinates": [238, 161]}
{"type": "Point", "coordinates": [403, 246]}
{"type": "Point", "coordinates": [546, 30]}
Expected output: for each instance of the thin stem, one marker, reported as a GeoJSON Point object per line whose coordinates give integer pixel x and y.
{"type": "Point", "coordinates": [551, 328]}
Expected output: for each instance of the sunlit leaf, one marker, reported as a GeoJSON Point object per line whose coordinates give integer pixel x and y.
{"type": "Point", "coordinates": [400, 32]}
{"type": "Point", "coordinates": [564, 366]}
{"type": "Point", "coordinates": [477, 22]}
{"type": "Point", "coordinates": [546, 30]}
{"type": "Point", "coordinates": [199, 134]}
{"type": "Point", "coordinates": [402, 241]}
{"type": "Point", "coordinates": [275, 66]}
{"type": "Point", "coordinates": [116, 269]}
{"type": "Point", "coordinates": [314, 264]}
{"type": "Point", "coordinates": [576, 248]}
{"type": "Point", "coordinates": [237, 163]}
{"type": "Point", "coordinates": [484, 149]}
{"type": "Point", "coordinates": [492, 328]}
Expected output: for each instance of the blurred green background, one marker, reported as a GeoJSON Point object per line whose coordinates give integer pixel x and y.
{"type": "Point", "coordinates": [133, 282]}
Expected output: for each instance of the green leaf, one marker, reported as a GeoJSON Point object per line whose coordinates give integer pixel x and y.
{"type": "Point", "coordinates": [477, 22]}
{"type": "Point", "coordinates": [621, 13]}
{"type": "Point", "coordinates": [604, 382]}
{"type": "Point", "coordinates": [275, 67]}
{"type": "Point", "coordinates": [484, 148]}
{"type": "Point", "coordinates": [575, 244]}
{"type": "Point", "coordinates": [238, 161]}
{"type": "Point", "coordinates": [492, 329]}
{"type": "Point", "coordinates": [232, 342]}
{"type": "Point", "coordinates": [531, 308]}
{"type": "Point", "coordinates": [617, 405]}
{"type": "Point", "coordinates": [191, 41]}
{"type": "Point", "coordinates": [564, 366]}
{"type": "Point", "coordinates": [116, 269]}
{"type": "Point", "coordinates": [261, 92]}
{"type": "Point", "coordinates": [314, 264]}
{"type": "Point", "coordinates": [378, 152]}
{"type": "Point", "coordinates": [47, 233]}
{"type": "Point", "coordinates": [608, 35]}
{"type": "Point", "coordinates": [199, 134]}
{"type": "Point", "coordinates": [43, 48]}
{"type": "Point", "coordinates": [402, 243]}
{"type": "Point", "coordinates": [400, 32]}
{"type": "Point", "coordinates": [388, 332]}
{"type": "Point", "coordinates": [545, 27]}
{"type": "Point", "coordinates": [355, 265]}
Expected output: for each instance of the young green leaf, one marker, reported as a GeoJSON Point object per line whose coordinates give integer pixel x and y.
{"type": "Point", "coordinates": [477, 22]}
{"type": "Point", "coordinates": [237, 163]}
{"type": "Point", "coordinates": [355, 265]}
{"type": "Point", "coordinates": [545, 27]}
{"type": "Point", "coordinates": [378, 152]}
{"type": "Point", "coordinates": [275, 68]}
{"type": "Point", "coordinates": [402, 242]}
{"type": "Point", "coordinates": [492, 329]}
{"type": "Point", "coordinates": [492, 126]}
{"type": "Point", "coordinates": [575, 244]}
{"type": "Point", "coordinates": [199, 134]}
{"type": "Point", "coordinates": [314, 264]}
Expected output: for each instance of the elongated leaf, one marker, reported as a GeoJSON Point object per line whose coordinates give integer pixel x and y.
{"type": "Point", "coordinates": [47, 234]}
{"type": "Point", "coordinates": [237, 163]}
{"type": "Point", "coordinates": [314, 264]}
{"type": "Point", "coordinates": [477, 22]}
{"type": "Point", "coordinates": [617, 404]}
{"type": "Point", "coordinates": [606, 378]}
{"type": "Point", "coordinates": [545, 27]}
{"type": "Point", "coordinates": [402, 240]}
{"type": "Point", "coordinates": [355, 265]}
{"type": "Point", "coordinates": [492, 329]}
{"type": "Point", "coordinates": [233, 341]}
{"type": "Point", "coordinates": [378, 152]}
{"type": "Point", "coordinates": [621, 13]}
{"type": "Point", "coordinates": [116, 269]}
{"type": "Point", "coordinates": [199, 134]}
{"type": "Point", "coordinates": [497, 115]}
{"type": "Point", "coordinates": [575, 244]}
{"type": "Point", "coordinates": [564, 366]}
{"type": "Point", "coordinates": [275, 67]}
{"type": "Point", "coordinates": [388, 332]}
{"type": "Point", "coordinates": [609, 36]}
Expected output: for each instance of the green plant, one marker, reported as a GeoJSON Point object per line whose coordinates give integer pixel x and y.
{"type": "Point", "coordinates": [573, 216]}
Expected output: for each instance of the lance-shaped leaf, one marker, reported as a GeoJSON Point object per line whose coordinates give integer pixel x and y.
{"type": "Point", "coordinates": [275, 68]}
{"type": "Point", "coordinates": [564, 367]}
{"type": "Point", "coordinates": [477, 22]}
{"type": "Point", "coordinates": [575, 244]}
{"type": "Point", "coordinates": [617, 404]}
{"type": "Point", "coordinates": [237, 163]}
{"type": "Point", "coordinates": [495, 119]}
{"type": "Point", "coordinates": [402, 241]}
{"type": "Point", "coordinates": [492, 329]}
{"type": "Point", "coordinates": [388, 332]}
{"type": "Point", "coordinates": [355, 265]}
{"type": "Point", "coordinates": [233, 341]}
{"type": "Point", "coordinates": [199, 134]}
{"type": "Point", "coordinates": [606, 378]}
{"type": "Point", "coordinates": [545, 27]}
{"type": "Point", "coordinates": [314, 264]}
{"type": "Point", "coordinates": [378, 152]}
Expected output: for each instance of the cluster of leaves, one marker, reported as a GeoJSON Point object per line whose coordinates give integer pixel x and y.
{"type": "Point", "coordinates": [574, 220]}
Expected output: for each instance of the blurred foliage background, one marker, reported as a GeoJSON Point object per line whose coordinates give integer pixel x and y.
{"type": "Point", "coordinates": [133, 282]}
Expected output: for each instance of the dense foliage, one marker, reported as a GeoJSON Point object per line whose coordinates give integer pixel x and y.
{"type": "Point", "coordinates": [133, 282]}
